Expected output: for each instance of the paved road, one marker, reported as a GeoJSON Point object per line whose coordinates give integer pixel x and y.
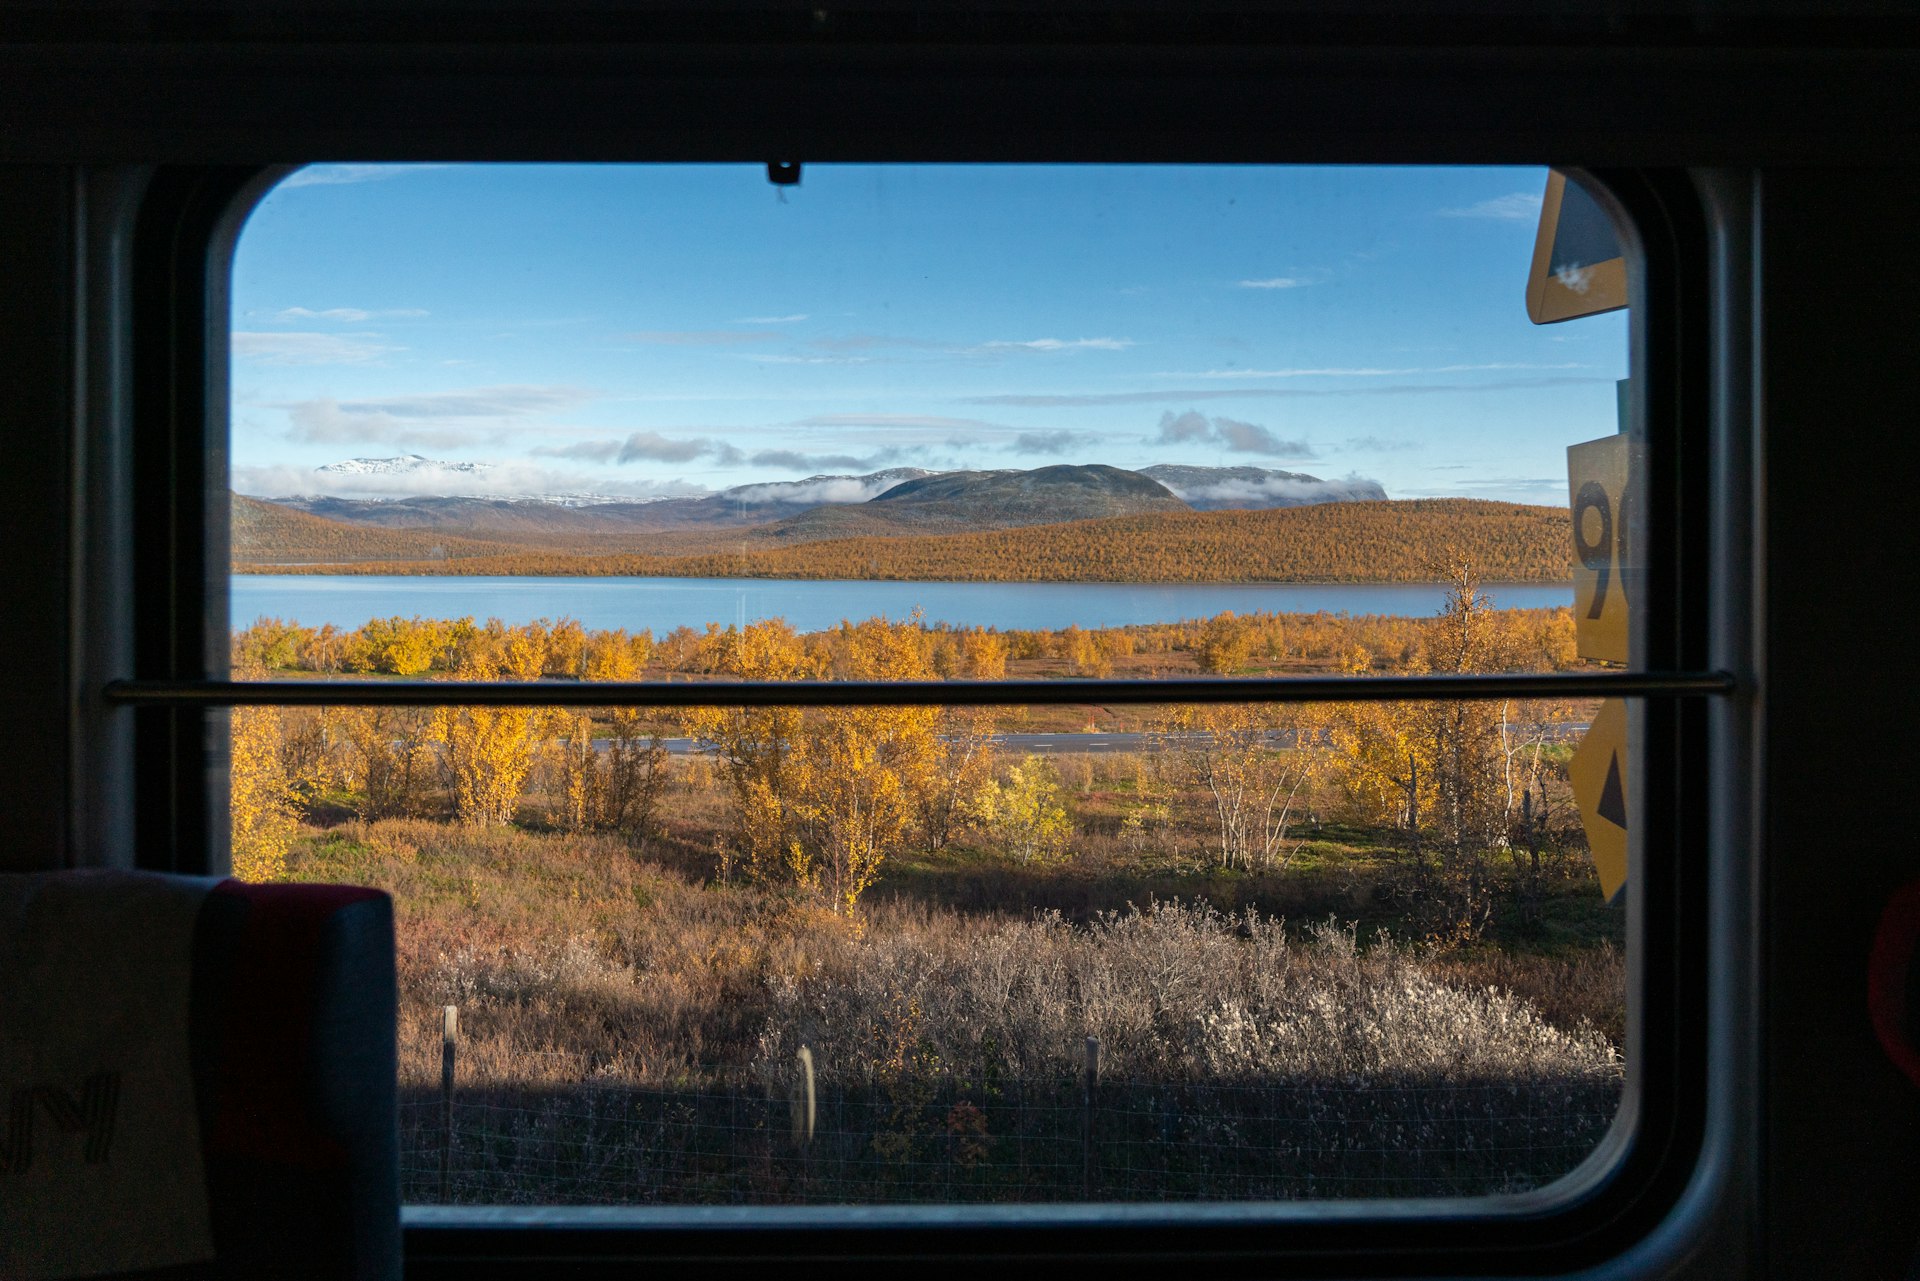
{"type": "Point", "coordinates": [1098, 744]}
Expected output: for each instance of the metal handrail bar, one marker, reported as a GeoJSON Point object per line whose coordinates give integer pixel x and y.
{"type": "Point", "coordinates": [1003, 693]}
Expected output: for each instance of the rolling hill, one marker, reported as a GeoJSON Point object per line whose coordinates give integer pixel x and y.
{"type": "Point", "coordinates": [1404, 541]}
{"type": "Point", "coordinates": [267, 534]}
{"type": "Point", "coordinates": [899, 500]}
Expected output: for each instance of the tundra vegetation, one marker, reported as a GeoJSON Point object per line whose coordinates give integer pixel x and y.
{"type": "Point", "coordinates": [1304, 936]}
{"type": "Point", "coordinates": [1355, 542]}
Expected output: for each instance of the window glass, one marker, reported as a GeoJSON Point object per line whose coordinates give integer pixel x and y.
{"type": "Point", "coordinates": [951, 423]}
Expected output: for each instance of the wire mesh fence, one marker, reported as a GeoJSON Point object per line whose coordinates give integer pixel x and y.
{"type": "Point", "coordinates": [953, 1138]}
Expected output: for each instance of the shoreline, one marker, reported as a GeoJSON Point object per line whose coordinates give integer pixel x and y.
{"type": "Point", "coordinates": [351, 569]}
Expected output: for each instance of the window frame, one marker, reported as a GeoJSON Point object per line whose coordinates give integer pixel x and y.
{"type": "Point", "coordinates": [188, 220]}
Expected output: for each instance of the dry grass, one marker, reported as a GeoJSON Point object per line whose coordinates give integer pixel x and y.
{"type": "Point", "coordinates": [1584, 989]}
{"type": "Point", "coordinates": [629, 1031]}
{"type": "Point", "coordinates": [572, 960]}
{"type": "Point", "coordinates": [1174, 993]}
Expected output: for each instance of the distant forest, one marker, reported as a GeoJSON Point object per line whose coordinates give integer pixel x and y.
{"type": "Point", "coordinates": [268, 537]}
{"type": "Point", "coordinates": [1399, 541]}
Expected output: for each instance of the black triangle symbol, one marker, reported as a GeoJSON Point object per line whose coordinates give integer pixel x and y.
{"type": "Point", "coordinates": [1613, 797]}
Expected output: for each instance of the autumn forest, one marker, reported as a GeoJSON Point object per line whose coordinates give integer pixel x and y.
{"type": "Point", "coordinates": [667, 900]}
{"type": "Point", "coordinates": [1327, 542]}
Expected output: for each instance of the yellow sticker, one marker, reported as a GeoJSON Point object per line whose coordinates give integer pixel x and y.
{"type": "Point", "coordinates": [1601, 485]}
{"type": "Point", "coordinates": [1598, 771]}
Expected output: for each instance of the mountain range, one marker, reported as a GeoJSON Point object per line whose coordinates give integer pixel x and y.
{"type": "Point", "coordinates": [1158, 524]}
{"type": "Point", "coordinates": [901, 500]}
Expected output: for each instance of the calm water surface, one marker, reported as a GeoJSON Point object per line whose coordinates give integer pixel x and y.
{"type": "Point", "coordinates": [662, 604]}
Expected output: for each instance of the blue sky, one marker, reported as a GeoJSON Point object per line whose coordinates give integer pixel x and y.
{"type": "Point", "coordinates": [649, 330]}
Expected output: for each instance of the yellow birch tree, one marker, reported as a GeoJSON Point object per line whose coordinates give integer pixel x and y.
{"type": "Point", "coordinates": [260, 804]}
{"type": "Point", "coordinates": [1023, 815]}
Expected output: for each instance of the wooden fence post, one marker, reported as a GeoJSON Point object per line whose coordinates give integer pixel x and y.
{"type": "Point", "coordinates": [801, 1098]}
{"type": "Point", "coordinates": [449, 1035]}
{"type": "Point", "coordinates": [1090, 1096]}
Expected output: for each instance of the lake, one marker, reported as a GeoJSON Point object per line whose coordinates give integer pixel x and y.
{"type": "Point", "coordinates": [662, 604]}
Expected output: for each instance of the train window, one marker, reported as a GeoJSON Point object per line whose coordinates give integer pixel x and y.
{"type": "Point", "coordinates": [1021, 686]}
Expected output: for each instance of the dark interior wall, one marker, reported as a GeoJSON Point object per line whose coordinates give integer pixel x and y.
{"type": "Point", "coordinates": [38, 405]}
{"type": "Point", "coordinates": [1836, 381]}
{"type": "Point", "coordinates": [1839, 383]}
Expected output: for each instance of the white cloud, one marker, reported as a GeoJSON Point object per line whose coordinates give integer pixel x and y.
{"type": "Point", "coordinates": [326, 421]}
{"type": "Point", "coordinates": [651, 446]}
{"type": "Point", "coordinates": [1060, 344]}
{"type": "Point", "coordinates": [1518, 207]}
{"type": "Point", "coordinates": [295, 348]}
{"type": "Point", "coordinates": [794, 460]}
{"type": "Point", "coordinates": [695, 337]}
{"type": "Point", "coordinates": [836, 349]}
{"type": "Point", "coordinates": [1176, 429]}
{"type": "Point", "coordinates": [1043, 442]}
{"type": "Point", "coordinates": [1194, 428]}
{"type": "Point", "coordinates": [1277, 282]}
{"type": "Point", "coordinates": [827, 489]}
{"type": "Point", "coordinates": [927, 421]}
{"type": "Point", "coordinates": [810, 360]}
{"type": "Point", "coordinates": [433, 419]}
{"type": "Point", "coordinates": [508, 401]}
{"type": "Point", "coordinates": [1161, 396]}
{"type": "Point", "coordinates": [350, 315]}
{"type": "Point", "coordinates": [340, 175]}
{"type": "Point", "coordinates": [1550, 490]}
{"type": "Point", "coordinates": [1278, 490]}
{"type": "Point", "coordinates": [643, 446]}
{"type": "Point", "coordinates": [592, 451]}
{"type": "Point", "coordinates": [510, 479]}
{"type": "Point", "coordinates": [1366, 371]}
{"type": "Point", "coordinates": [1252, 438]}
{"type": "Point", "coordinates": [866, 342]}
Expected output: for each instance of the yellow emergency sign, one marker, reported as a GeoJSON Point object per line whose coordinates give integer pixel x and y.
{"type": "Point", "coordinates": [1601, 489]}
{"type": "Point", "coordinates": [1598, 772]}
{"type": "Point", "coordinates": [1578, 266]}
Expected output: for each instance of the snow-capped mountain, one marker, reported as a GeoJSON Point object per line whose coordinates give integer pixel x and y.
{"type": "Point", "coordinates": [451, 474]}
{"type": "Point", "coordinates": [406, 464]}
{"type": "Point", "coordinates": [475, 499]}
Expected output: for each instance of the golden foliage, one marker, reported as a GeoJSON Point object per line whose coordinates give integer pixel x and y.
{"type": "Point", "coordinates": [1444, 772]}
{"type": "Point", "coordinates": [753, 744]}
{"type": "Point", "coordinates": [489, 750]}
{"type": "Point", "coordinates": [962, 763]}
{"type": "Point", "coordinates": [260, 801]}
{"type": "Point", "coordinates": [821, 797]}
{"type": "Point", "coordinates": [389, 754]}
{"type": "Point", "coordinates": [617, 788]}
{"type": "Point", "coordinates": [1024, 814]}
{"type": "Point", "coordinates": [1376, 542]}
{"type": "Point", "coordinates": [1519, 640]}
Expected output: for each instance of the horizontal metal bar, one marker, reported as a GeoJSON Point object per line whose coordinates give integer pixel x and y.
{"type": "Point", "coordinates": [1027, 693]}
